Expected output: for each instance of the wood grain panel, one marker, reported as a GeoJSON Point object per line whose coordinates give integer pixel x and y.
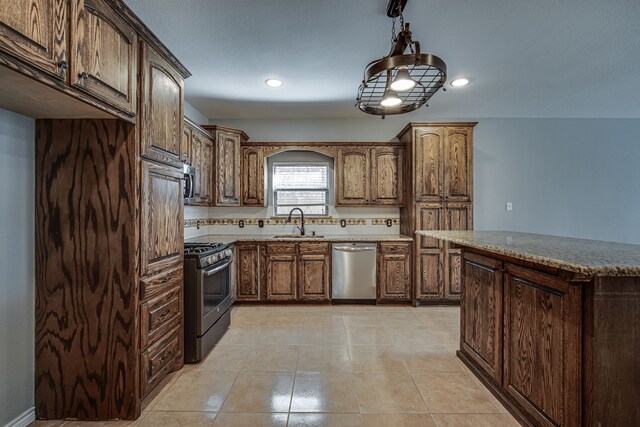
{"type": "Point", "coordinates": [104, 61]}
{"type": "Point", "coordinates": [387, 171]}
{"type": "Point", "coordinates": [481, 313]}
{"type": "Point", "coordinates": [248, 270]}
{"type": "Point", "coordinates": [313, 277]}
{"type": "Point", "coordinates": [186, 144]}
{"type": "Point", "coordinates": [160, 314]}
{"type": "Point", "coordinates": [159, 359]}
{"type": "Point", "coordinates": [353, 177]}
{"type": "Point", "coordinates": [542, 363]}
{"type": "Point", "coordinates": [458, 178]}
{"type": "Point", "coordinates": [162, 107]}
{"type": "Point", "coordinates": [429, 217]}
{"type": "Point", "coordinates": [86, 263]}
{"type": "Point", "coordinates": [203, 160]}
{"type": "Point", "coordinates": [281, 248]}
{"type": "Point", "coordinates": [281, 277]}
{"type": "Point", "coordinates": [314, 248]}
{"type": "Point", "coordinates": [429, 168]}
{"type": "Point", "coordinates": [429, 267]}
{"type": "Point", "coordinates": [36, 32]}
{"type": "Point", "coordinates": [394, 272]}
{"type": "Point", "coordinates": [253, 182]}
{"type": "Point", "coordinates": [163, 227]}
{"type": "Point", "coordinates": [228, 168]}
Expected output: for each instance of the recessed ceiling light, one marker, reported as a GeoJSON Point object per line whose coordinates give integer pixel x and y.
{"type": "Point", "coordinates": [273, 82]}
{"type": "Point", "coordinates": [460, 82]}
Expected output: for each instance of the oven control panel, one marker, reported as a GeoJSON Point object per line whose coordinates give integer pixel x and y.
{"type": "Point", "coordinates": [212, 259]}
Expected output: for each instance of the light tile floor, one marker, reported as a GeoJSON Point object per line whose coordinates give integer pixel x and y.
{"type": "Point", "coordinates": [327, 366]}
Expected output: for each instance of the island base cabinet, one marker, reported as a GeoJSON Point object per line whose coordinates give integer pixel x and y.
{"type": "Point", "coordinates": [542, 364]}
{"type": "Point", "coordinates": [481, 313]}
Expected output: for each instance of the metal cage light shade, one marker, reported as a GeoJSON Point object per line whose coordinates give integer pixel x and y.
{"type": "Point", "coordinates": [427, 71]}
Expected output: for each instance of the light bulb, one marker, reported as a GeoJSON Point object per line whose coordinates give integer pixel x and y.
{"type": "Point", "coordinates": [403, 80]}
{"type": "Point", "coordinates": [460, 82]}
{"type": "Point", "coordinates": [390, 99]}
{"type": "Point", "coordinates": [273, 82]}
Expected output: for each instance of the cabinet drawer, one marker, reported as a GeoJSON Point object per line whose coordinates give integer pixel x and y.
{"type": "Point", "coordinates": [159, 359]}
{"type": "Point", "coordinates": [395, 248]}
{"type": "Point", "coordinates": [314, 248]}
{"type": "Point", "coordinates": [160, 283]}
{"type": "Point", "coordinates": [160, 314]}
{"type": "Point", "coordinates": [281, 248]}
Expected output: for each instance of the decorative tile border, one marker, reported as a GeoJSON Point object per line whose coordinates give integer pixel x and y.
{"type": "Point", "coordinates": [281, 221]}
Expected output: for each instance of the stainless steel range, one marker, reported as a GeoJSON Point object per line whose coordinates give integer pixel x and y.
{"type": "Point", "coordinates": [207, 297]}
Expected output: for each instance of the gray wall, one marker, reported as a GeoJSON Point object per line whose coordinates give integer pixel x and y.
{"type": "Point", "coordinates": [17, 184]}
{"type": "Point", "coordinates": [568, 177]}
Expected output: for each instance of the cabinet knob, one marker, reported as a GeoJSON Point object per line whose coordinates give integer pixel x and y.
{"type": "Point", "coordinates": [84, 75]}
{"type": "Point", "coordinates": [63, 65]}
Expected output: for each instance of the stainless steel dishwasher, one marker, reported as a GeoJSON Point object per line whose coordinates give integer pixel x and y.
{"type": "Point", "coordinates": [354, 271]}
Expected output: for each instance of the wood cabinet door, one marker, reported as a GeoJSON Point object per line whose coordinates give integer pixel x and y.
{"type": "Point", "coordinates": [228, 168]}
{"type": "Point", "coordinates": [481, 313]}
{"type": "Point", "coordinates": [458, 177]}
{"type": "Point", "coordinates": [353, 177]}
{"type": "Point", "coordinates": [457, 217]}
{"type": "Point", "coordinates": [387, 171]}
{"type": "Point", "coordinates": [429, 216]}
{"type": "Point", "coordinates": [162, 109]}
{"type": "Point", "coordinates": [253, 188]}
{"type": "Point", "coordinates": [185, 152]}
{"type": "Point", "coordinates": [35, 31]}
{"type": "Point", "coordinates": [313, 277]}
{"type": "Point", "coordinates": [104, 54]}
{"type": "Point", "coordinates": [281, 277]}
{"type": "Point", "coordinates": [202, 159]}
{"type": "Point", "coordinates": [542, 348]}
{"type": "Point", "coordinates": [394, 272]}
{"type": "Point", "coordinates": [248, 270]}
{"type": "Point", "coordinates": [429, 270]}
{"type": "Point", "coordinates": [428, 164]}
{"type": "Point", "coordinates": [162, 231]}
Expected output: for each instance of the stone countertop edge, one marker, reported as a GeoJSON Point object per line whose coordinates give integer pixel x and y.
{"type": "Point", "coordinates": [582, 256]}
{"type": "Point", "coordinates": [227, 238]}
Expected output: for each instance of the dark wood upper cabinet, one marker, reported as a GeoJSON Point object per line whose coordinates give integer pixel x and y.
{"type": "Point", "coordinates": [202, 158]}
{"type": "Point", "coordinates": [394, 272]}
{"type": "Point", "coordinates": [481, 320]}
{"type": "Point", "coordinates": [104, 54]}
{"type": "Point", "coordinates": [161, 110]}
{"type": "Point", "coordinates": [542, 348]}
{"type": "Point", "coordinates": [162, 230]}
{"type": "Point", "coordinates": [353, 177]}
{"type": "Point", "coordinates": [186, 144]}
{"type": "Point", "coordinates": [429, 168]}
{"type": "Point", "coordinates": [387, 171]}
{"type": "Point", "coordinates": [227, 164]}
{"type": "Point", "coordinates": [458, 177]}
{"type": "Point", "coordinates": [253, 182]}
{"type": "Point", "coordinates": [36, 32]}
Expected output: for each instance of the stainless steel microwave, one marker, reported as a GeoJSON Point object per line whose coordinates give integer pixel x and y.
{"type": "Point", "coordinates": [189, 179]}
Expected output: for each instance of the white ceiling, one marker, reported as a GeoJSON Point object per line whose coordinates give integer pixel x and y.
{"type": "Point", "coordinates": [539, 58]}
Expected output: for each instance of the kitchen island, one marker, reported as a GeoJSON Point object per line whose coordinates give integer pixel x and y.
{"type": "Point", "coordinates": [551, 325]}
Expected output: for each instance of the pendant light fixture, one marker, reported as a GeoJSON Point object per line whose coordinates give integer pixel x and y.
{"type": "Point", "coordinates": [400, 82]}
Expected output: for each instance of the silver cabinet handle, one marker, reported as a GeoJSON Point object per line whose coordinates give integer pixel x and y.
{"type": "Point", "coordinates": [345, 249]}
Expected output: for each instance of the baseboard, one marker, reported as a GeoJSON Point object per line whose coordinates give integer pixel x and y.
{"type": "Point", "coordinates": [24, 419]}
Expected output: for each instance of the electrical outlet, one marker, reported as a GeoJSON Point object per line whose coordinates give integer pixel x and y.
{"type": "Point", "coordinates": [260, 223]}
{"type": "Point", "coordinates": [343, 223]}
{"type": "Point", "coordinates": [509, 206]}
{"type": "Point", "coordinates": [241, 223]}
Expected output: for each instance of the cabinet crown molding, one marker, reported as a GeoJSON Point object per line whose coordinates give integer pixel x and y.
{"type": "Point", "coordinates": [413, 125]}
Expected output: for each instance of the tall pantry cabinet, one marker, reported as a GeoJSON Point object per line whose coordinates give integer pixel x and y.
{"type": "Point", "coordinates": [109, 212]}
{"type": "Point", "coordinates": [439, 169]}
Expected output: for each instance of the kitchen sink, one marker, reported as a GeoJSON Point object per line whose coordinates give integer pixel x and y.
{"type": "Point", "coordinates": [297, 236]}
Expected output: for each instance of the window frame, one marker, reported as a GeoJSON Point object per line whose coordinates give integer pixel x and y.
{"type": "Point", "coordinates": [327, 189]}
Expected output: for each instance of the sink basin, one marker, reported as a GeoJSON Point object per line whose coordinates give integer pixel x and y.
{"type": "Point", "coordinates": [297, 236]}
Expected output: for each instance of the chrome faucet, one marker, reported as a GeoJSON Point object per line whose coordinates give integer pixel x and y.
{"type": "Point", "coordinates": [301, 228]}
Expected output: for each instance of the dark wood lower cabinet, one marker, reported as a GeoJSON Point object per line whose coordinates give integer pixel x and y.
{"type": "Point", "coordinates": [281, 277]}
{"type": "Point", "coordinates": [248, 271]}
{"type": "Point", "coordinates": [557, 348]}
{"type": "Point", "coordinates": [394, 272]}
{"type": "Point", "coordinates": [542, 348]}
{"type": "Point", "coordinates": [481, 313]}
{"type": "Point", "coordinates": [313, 277]}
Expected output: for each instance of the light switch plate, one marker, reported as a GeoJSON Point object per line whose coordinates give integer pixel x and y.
{"type": "Point", "coordinates": [509, 206]}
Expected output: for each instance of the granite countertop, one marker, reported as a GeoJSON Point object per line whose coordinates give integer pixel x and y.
{"type": "Point", "coordinates": [588, 257]}
{"type": "Point", "coordinates": [227, 238]}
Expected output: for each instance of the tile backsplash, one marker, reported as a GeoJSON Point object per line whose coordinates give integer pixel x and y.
{"type": "Point", "coordinates": [199, 221]}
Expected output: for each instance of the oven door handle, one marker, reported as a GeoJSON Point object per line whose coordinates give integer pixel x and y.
{"type": "Point", "coordinates": [208, 273]}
